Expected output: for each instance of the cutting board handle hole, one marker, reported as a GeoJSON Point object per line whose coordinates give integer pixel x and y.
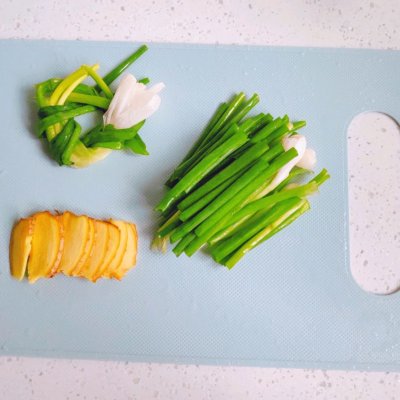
{"type": "Point", "coordinates": [374, 201]}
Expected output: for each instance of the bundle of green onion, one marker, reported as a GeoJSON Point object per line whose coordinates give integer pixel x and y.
{"type": "Point", "coordinates": [60, 101]}
{"type": "Point", "coordinates": [238, 186]}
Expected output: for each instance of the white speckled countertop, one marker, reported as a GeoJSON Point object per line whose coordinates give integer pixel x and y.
{"type": "Point", "coordinates": [352, 23]}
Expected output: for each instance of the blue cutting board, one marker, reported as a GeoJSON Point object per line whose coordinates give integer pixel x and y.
{"type": "Point", "coordinates": [291, 302]}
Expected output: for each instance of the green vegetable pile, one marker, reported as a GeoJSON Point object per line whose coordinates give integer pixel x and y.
{"type": "Point", "coordinates": [220, 195]}
{"type": "Point", "coordinates": [60, 101]}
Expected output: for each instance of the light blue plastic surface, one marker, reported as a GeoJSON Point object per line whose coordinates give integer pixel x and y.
{"type": "Point", "coordinates": [291, 302]}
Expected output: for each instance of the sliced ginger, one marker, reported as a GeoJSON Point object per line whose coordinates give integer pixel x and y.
{"type": "Point", "coordinates": [98, 250]}
{"type": "Point", "coordinates": [20, 246]}
{"type": "Point", "coordinates": [122, 248]}
{"type": "Point", "coordinates": [129, 257]}
{"type": "Point", "coordinates": [45, 244]}
{"type": "Point", "coordinates": [76, 232]}
{"type": "Point", "coordinates": [114, 237]}
{"type": "Point", "coordinates": [87, 251]}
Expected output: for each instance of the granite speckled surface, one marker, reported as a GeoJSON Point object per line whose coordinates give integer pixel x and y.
{"type": "Point", "coordinates": [366, 24]}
